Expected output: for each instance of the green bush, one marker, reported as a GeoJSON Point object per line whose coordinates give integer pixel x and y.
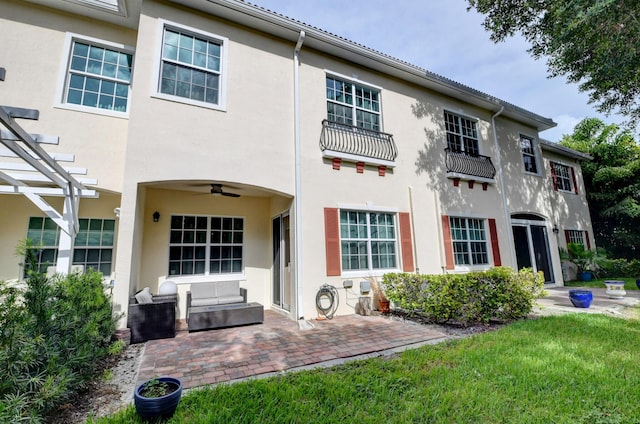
{"type": "Point", "coordinates": [619, 268]}
{"type": "Point", "coordinates": [478, 297]}
{"type": "Point", "coordinates": [52, 334]}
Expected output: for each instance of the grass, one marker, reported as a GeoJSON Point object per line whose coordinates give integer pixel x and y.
{"type": "Point", "coordinates": [629, 283]}
{"type": "Point", "coordinates": [576, 368]}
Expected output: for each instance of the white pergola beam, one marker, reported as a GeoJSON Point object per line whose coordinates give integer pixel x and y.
{"type": "Point", "coordinates": [38, 138]}
{"type": "Point", "coordinates": [58, 157]}
{"type": "Point", "coordinates": [44, 191]}
{"type": "Point", "coordinates": [14, 166]}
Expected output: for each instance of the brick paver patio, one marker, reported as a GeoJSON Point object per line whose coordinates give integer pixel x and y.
{"type": "Point", "coordinates": [209, 357]}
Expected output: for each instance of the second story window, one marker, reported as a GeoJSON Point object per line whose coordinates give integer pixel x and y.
{"type": "Point", "coordinates": [528, 154]}
{"type": "Point", "coordinates": [563, 177]}
{"type": "Point", "coordinates": [462, 134]}
{"type": "Point", "coordinates": [353, 104]}
{"type": "Point", "coordinates": [192, 66]}
{"type": "Point", "coordinates": [98, 77]}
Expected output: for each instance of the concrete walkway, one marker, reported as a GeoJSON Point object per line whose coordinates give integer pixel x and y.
{"type": "Point", "coordinates": [557, 302]}
{"type": "Point", "coordinates": [210, 357]}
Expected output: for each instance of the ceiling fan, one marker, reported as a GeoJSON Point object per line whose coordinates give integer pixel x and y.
{"type": "Point", "coordinates": [216, 189]}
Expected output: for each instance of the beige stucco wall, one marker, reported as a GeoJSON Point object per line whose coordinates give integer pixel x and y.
{"type": "Point", "coordinates": [34, 55]}
{"type": "Point", "coordinates": [14, 220]}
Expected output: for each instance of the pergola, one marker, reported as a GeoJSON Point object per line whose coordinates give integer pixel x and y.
{"type": "Point", "coordinates": [34, 173]}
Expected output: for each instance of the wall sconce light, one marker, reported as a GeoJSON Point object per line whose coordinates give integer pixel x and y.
{"type": "Point", "coordinates": [555, 230]}
{"type": "Point", "coordinates": [156, 216]}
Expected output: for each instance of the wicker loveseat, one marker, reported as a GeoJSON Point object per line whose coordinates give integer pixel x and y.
{"type": "Point", "coordinates": [220, 304]}
{"type": "Point", "coordinates": [155, 320]}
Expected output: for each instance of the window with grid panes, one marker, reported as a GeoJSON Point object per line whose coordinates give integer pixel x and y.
{"type": "Point", "coordinates": [469, 241]}
{"type": "Point", "coordinates": [98, 76]}
{"type": "Point", "coordinates": [191, 66]}
{"type": "Point", "coordinates": [202, 245]}
{"type": "Point", "coordinates": [353, 104]}
{"type": "Point", "coordinates": [528, 154]}
{"type": "Point", "coordinates": [462, 134]}
{"type": "Point", "coordinates": [92, 247]}
{"type": "Point", "coordinates": [563, 176]}
{"type": "Point", "coordinates": [576, 236]}
{"type": "Point", "coordinates": [368, 240]}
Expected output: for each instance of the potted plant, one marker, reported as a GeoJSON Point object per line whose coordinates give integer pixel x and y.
{"type": "Point", "coordinates": [379, 298]}
{"type": "Point", "coordinates": [157, 397]}
{"type": "Point", "coordinates": [584, 259]}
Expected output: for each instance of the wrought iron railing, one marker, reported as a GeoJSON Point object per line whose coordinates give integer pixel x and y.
{"type": "Point", "coordinates": [474, 165]}
{"type": "Point", "coordinates": [357, 141]}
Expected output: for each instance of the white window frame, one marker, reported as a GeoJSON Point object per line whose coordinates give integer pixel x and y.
{"type": "Point", "coordinates": [460, 118]}
{"type": "Point", "coordinates": [158, 61]}
{"type": "Point", "coordinates": [370, 271]}
{"type": "Point", "coordinates": [533, 154]}
{"type": "Point", "coordinates": [468, 241]}
{"type": "Point", "coordinates": [52, 227]}
{"type": "Point", "coordinates": [558, 165]}
{"type": "Point", "coordinates": [577, 236]}
{"type": "Point", "coordinates": [353, 106]}
{"type": "Point", "coordinates": [65, 71]}
{"type": "Point", "coordinates": [208, 244]}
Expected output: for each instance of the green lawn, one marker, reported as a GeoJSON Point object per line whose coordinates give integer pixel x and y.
{"type": "Point", "coordinates": [577, 368]}
{"type": "Point", "coordinates": [629, 283]}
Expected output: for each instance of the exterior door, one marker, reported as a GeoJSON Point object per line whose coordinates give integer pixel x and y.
{"type": "Point", "coordinates": [281, 263]}
{"type": "Point", "coordinates": [531, 243]}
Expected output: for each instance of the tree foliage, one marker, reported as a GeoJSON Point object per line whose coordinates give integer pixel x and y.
{"type": "Point", "coordinates": [612, 182]}
{"type": "Point", "coordinates": [595, 43]}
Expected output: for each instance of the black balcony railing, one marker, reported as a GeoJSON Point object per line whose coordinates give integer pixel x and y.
{"type": "Point", "coordinates": [473, 165]}
{"type": "Point", "coordinates": [357, 141]}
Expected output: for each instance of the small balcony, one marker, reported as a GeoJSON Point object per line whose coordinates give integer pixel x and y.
{"type": "Point", "coordinates": [469, 167]}
{"type": "Point", "coordinates": [357, 144]}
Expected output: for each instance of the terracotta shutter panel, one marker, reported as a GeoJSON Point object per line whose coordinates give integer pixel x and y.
{"type": "Point", "coordinates": [495, 246]}
{"type": "Point", "coordinates": [332, 241]}
{"type": "Point", "coordinates": [575, 183]}
{"type": "Point", "coordinates": [567, 237]}
{"type": "Point", "coordinates": [586, 238]}
{"type": "Point", "coordinates": [553, 176]}
{"type": "Point", "coordinates": [405, 242]}
{"type": "Point", "coordinates": [448, 243]}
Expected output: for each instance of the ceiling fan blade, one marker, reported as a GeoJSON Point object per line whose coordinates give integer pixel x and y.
{"type": "Point", "coordinates": [230, 194]}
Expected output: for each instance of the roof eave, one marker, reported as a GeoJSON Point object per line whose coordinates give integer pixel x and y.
{"type": "Point", "coordinates": [283, 27]}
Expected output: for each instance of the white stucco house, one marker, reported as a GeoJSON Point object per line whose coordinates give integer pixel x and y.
{"type": "Point", "coordinates": [204, 140]}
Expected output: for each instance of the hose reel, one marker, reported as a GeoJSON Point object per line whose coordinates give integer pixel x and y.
{"type": "Point", "coordinates": [327, 300]}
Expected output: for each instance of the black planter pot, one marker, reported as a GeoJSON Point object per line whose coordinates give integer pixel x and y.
{"type": "Point", "coordinates": [581, 298]}
{"type": "Point", "coordinates": [158, 407]}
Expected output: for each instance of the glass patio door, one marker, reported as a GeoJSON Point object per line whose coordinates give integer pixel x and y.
{"type": "Point", "coordinates": [281, 262]}
{"type": "Point", "coordinates": [531, 243]}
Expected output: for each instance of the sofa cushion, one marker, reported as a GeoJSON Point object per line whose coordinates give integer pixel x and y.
{"type": "Point", "coordinates": [205, 301]}
{"type": "Point", "coordinates": [227, 288]}
{"type": "Point", "coordinates": [224, 300]}
{"type": "Point", "coordinates": [144, 296]}
{"type": "Point", "coordinates": [203, 290]}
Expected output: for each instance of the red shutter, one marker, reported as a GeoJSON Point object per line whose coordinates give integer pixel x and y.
{"type": "Point", "coordinates": [448, 243]}
{"type": "Point", "coordinates": [586, 238]}
{"type": "Point", "coordinates": [567, 237]}
{"type": "Point", "coordinates": [495, 246]}
{"type": "Point", "coordinates": [332, 241]}
{"type": "Point", "coordinates": [553, 176]}
{"type": "Point", "coordinates": [405, 242]}
{"type": "Point", "coordinates": [573, 176]}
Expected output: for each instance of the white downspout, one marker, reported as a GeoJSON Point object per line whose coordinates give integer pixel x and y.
{"type": "Point", "coordinates": [507, 216]}
{"type": "Point", "coordinates": [413, 231]}
{"type": "Point", "coordinates": [297, 212]}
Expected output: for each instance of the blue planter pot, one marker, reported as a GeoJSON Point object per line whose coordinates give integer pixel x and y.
{"type": "Point", "coordinates": [638, 283]}
{"type": "Point", "coordinates": [585, 276]}
{"type": "Point", "coordinates": [150, 408]}
{"type": "Point", "coordinates": [581, 298]}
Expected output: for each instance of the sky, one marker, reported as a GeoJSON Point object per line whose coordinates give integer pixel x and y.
{"type": "Point", "coordinates": [443, 37]}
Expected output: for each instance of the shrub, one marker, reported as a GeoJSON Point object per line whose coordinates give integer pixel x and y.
{"type": "Point", "coordinates": [477, 297]}
{"type": "Point", "coordinates": [52, 334]}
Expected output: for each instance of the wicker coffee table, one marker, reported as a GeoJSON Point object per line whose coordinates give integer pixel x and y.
{"type": "Point", "coordinates": [219, 316]}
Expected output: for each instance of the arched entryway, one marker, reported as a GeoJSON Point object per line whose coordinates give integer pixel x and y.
{"type": "Point", "coordinates": [531, 242]}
